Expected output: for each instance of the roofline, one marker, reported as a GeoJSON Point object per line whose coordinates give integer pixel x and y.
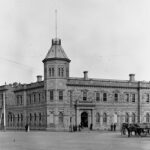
{"type": "Point", "coordinates": [49, 59]}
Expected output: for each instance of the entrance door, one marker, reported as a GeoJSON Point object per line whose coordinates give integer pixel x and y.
{"type": "Point", "coordinates": [84, 119]}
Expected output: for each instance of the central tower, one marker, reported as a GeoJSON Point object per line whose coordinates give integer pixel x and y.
{"type": "Point", "coordinates": [56, 73]}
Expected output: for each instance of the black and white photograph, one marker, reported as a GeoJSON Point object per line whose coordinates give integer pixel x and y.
{"type": "Point", "coordinates": [74, 75]}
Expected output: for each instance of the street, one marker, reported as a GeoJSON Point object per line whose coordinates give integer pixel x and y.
{"type": "Point", "coordinates": [42, 140]}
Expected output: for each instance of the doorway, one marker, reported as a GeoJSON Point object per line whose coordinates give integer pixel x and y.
{"type": "Point", "coordinates": [84, 119]}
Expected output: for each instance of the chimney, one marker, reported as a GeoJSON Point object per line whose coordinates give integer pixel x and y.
{"type": "Point", "coordinates": [131, 77]}
{"type": "Point", "coordinates": [85, 75]}
{"type": "Point", "coordinates": [39, 78]}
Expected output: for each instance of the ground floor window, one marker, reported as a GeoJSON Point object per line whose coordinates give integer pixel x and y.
{"type": "Point", "coordinates": [97, 118]}
{"type": "Point", "coordinates": [104, 118]}
{"type": "Point", "coordinates": [61, 118]}
{"type": "Point", "coordinates": [147, 118]}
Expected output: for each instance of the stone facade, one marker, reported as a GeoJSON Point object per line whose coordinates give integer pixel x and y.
{"type": "Point", "coordinates": [59, 102]}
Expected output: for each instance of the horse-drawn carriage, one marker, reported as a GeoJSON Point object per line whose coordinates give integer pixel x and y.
{"type": "Point", "coordinates": [140, 129]}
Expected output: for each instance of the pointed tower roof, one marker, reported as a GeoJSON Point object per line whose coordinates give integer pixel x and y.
{"type": "Point", "coordinates": [56, 51]}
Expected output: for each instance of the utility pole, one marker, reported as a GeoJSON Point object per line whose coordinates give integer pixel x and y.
{"type": "Point", "coordinates": [4, 109]}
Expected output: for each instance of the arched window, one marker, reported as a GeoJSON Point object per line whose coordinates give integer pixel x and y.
{"type": "Point", "coordinates": [18, 117]}
{"type": "Point", "coordinates": [104, 118]}
{"type": "Point", "coordinates": [30, 117]}
{"type": "Point", "coordinates": [133, 117]}
{"type": "Point", "coordinates": [61, 118]}
{"type": "Point", "coordinates": [34, 116]}
{"type": "Point", "coordinates": [147, 118]}
{"type": "Point", "coordinates": [127, 118]}
{"type": "Point", "coordinates": [97, 118]}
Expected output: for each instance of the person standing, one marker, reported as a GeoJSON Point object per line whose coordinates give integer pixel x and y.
{"type": "Point", "coordinates": [114, 127]}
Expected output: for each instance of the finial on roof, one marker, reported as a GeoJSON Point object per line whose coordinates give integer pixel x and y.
{"type": "Point", "coordinates": [56, 23]}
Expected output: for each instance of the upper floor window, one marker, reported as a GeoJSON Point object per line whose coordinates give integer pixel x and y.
{"type": "Point", "coordinates": [84, 95]}
{"type": "Point", "coordinates": [133, 98]}
{"type": "Point", "coordinates": [97, 96]}
{"type": "Point", "coordinates": [39, 95]}
{"type": "Point", "coordinates": [60, 71]}
{"type": "Point", "coordinates": [51, 95]}
{"type": "Point", "coordinates": [127, 97]}
{"type": "Point", "coordinates": [51, 71]}
{"type": "Point", "coordinates": [60, 95]}
{"type": "Point", "coordinates": [116, 97]}
{"type": "Point", "coordinates": [34, 98]}
{"type": "Point", "coordinates": [147, 98]}
{"type": "Point", "coordinates": [30, 99]}
{"type": "Point", "coordinates": [104, 97]}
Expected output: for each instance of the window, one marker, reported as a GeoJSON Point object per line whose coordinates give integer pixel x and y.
{"type": "Point", "coordinates": [30, 117]}
{"type": "Point", "coordinates": [34, 116]}
{"type": "Point", "coordinates": [51, 71]}
{"type": "Point", "coordinates": [59, 72]}
{"type": "Point", "coordinates": [147, 98]}
{"type": "Point", "coordinates": [60, 95]}
{"type": "Point", "coordinates": [133, 98]}
{"type": "Point", "coordinates": [116, 97]}
{"type": "Point", "coordinates": [84, 95]}
{"type": "Point", "coordinates": [127, 118]}
{"type": "Point", "coordinates": [104, 97]}
{"type": "Point", "coordinates": [62, 72]}
{"type": "Point", "coordinates": [147, 118]}
{"type": "Point", "coordinates": [21, 100]}
{"type": "Point", "coordinates": [40, 116]}
{"type": "Point", "coordinates": [39, 97]}
{"type": "Point", "coordinates": [30, 99]}
{"type": "Point", "coordinates": [97, 96]}
{"type": "Point", "coordinates": [17, 100]}
{"type": "Point", "coordinates": [34, 98]}
{"type": "Point", "coordinates": [51, 95]}
{"type": "Point", "coordinates": [21, 117]}
{"type": "Point", "coordinates": [104, 118]}
{"type": "Point", "coordinates": [133, 117]}
{"type": "Point", "coordinates": [127, 97]}
{"type": "Point", "coordinates": [61, 118]}
{"type": "Point", "coordinates": [97, 118]}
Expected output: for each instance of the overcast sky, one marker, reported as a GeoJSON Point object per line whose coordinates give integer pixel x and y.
{"type": "Point", "coordinates": [108, 38]}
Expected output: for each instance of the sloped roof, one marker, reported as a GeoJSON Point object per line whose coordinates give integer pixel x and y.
{"type": "Point", "coordinates": [56, 51]}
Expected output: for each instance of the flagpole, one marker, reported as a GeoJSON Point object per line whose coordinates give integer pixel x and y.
{"type": "Point", "coordinates": [4, 111]}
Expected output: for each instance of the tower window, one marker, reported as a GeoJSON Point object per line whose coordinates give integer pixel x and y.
{"type": "Point", "coordinates": [51, 72]}
{"type": "Point", "coordinates": [62, 72]}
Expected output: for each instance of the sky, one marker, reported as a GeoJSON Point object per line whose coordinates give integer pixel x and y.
{"type": "Point", "coordinates": [108, 38]}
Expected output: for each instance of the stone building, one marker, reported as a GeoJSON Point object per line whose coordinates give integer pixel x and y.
{"type": "Point", "coordinates": [59, 101]}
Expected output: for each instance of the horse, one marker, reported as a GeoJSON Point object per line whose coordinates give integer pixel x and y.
{"type": "Point", "coordinates": [131, 128]}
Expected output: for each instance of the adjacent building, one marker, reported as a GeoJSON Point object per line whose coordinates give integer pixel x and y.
{"type": "Point", "coordinates": [59, 101]}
